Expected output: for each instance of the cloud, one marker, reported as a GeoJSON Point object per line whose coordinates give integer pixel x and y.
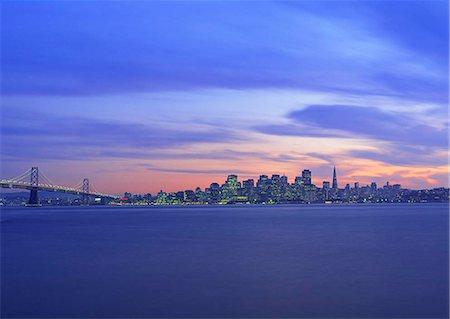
{"type": "Point", "coordinates": [324, 157]}
{"type": "Point", "coordinates": [201, 171]}
{"type": "Point", "coordinates": [397, 138]}
{"type": "Point", "coordinates": [183, 154]}
{"type": "Point", "coordinates": [371, 122]}
{"type": "Point", "coordinates": [55, 137]}
{"type": "Point", "coordinates": [345, 121]}
{"type": "Point", "coordinates": [110, 47]}
{"type": "Point", "coordinates": [396, 156]}
{"type": "Point", "coordinates": [298, 129]}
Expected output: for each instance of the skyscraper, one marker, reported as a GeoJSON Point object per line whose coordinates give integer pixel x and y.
{"type": "Point", "coordinates": [306, 177]}
{"type": "Point", "coordinates": [248, 189]}
{"type": "Point", "coordinates": [275, 188]}
{"type": "Point", "coordinates": [335, 184]}
{"type": "Point", "coordinates": [229, 189]}
{"type": "Point", "coordinates": [263, 185]}
{"type": "Point", "coordinates": [213, 193]}
{"type": "Point", "coordinates": [248, 184]}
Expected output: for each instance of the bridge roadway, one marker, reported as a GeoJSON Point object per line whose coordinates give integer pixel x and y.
{"type": "Point", "coordinates": [52, 188]}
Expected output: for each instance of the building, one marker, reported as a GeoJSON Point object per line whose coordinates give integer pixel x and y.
{"type": "Point", "coordinates": [326, 190]}
{"type": "Point", "coordinates": [276, 188]}
{"type": "Point", "coordinates": [248, 189]}
{"type": "Point", "coordinates": [213, 193]}
{"type": "Point", "coordinates": [248, 184]}
{"type": "Point", "coordinates": [306, 177]}
{"type": "Point", "coordinates": [335, 183]}
{"type": "Point", "coordinates": [230, 188]}
{"type": "Point", "coordinates": [263, 186]}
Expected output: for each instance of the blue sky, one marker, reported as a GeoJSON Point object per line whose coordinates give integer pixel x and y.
{"type": "Point", "coordinates": [176, 93]}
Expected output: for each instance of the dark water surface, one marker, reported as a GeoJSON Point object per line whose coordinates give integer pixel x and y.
{"type": "Point", "coordinates": [251, 261]}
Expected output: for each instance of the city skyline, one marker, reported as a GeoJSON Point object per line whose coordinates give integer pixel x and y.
{"type": "Point", "coordinates": [305, 178]}
{"type": "Point", "coordinates": [143, 96]}
{"type": "Point", "coordinates": [274, 189]}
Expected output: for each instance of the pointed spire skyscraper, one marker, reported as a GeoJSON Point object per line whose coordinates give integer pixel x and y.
{"type": "Point", "coordinates": [335, 184]}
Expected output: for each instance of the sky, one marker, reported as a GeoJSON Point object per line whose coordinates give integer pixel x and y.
{"type": "Point", "coordinates": [147, 95]}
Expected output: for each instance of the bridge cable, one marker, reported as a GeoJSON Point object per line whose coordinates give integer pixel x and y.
{"type": "Point", "coordinates": [47, 179]}
{"type": "Point", "coordinates": [21, 176]}
{"type": "Point", "coordinates": [78, 186]}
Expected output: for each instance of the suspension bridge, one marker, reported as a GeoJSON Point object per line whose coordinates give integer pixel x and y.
{"type": "Point", "coordinates": [35, 180]}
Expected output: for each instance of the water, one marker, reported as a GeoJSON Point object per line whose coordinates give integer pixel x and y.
{"type": "Point", "coordinates": [251, 261]}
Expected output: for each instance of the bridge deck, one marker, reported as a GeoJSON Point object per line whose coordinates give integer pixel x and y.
{"type": "Point", "coordinates": [52, 188]}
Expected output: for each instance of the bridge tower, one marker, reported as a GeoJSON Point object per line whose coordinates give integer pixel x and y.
{"type": "Point", "coordinates": [85, 190]}
{"type": "Point", "coordinates": [34, 183]}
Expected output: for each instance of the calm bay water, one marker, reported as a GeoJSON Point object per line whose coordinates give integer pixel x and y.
{"type": "Point", "coordinates": [235, 261]}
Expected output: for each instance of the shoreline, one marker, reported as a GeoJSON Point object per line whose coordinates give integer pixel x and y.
{"type": "Point", "coordinates": [227, 205]}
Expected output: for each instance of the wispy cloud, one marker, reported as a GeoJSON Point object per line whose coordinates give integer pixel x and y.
{"type": "Point", "coordinates": [346, 121]}
{"type": "Point", "coordinates": [371, 122]}
{"type": "Point", "coordinates": [397, 137]}
{"type": "Point", "coordinates": [202, 171]}
{"type": "Point", "coordinates": [103, 51]}
{"type": "Point", "coordinates": [56, 137]}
